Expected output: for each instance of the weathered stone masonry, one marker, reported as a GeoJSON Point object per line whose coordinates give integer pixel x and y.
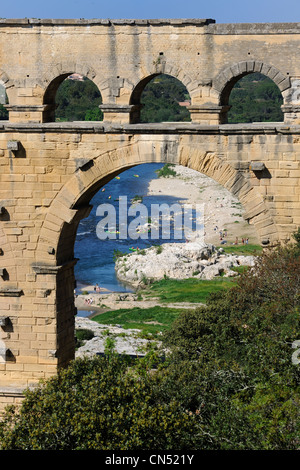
{"type": "Point", "coordinates": [50, 171]}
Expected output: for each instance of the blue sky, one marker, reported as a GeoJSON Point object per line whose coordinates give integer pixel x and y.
{"type": "Point", "coordinates": [230, 11]}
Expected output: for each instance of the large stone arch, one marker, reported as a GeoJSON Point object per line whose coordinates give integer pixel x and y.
{"type": "Point", "coordinates": [54, 257]}
{"type": "Point", "coordinates": [71, 204]}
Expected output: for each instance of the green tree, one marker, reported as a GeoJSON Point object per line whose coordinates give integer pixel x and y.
{"type": "Point", "coordinates": [78, 101]}
{"type": "Point", "coordinates": [255, 98]}
{"type": "Point", "coordinates": [231, 360]}
{"type": "Point", "coordinates": [3, 113]}
{"type": "Point", "coordinates": [100, 404]}
{"type": "Point", "coordinates": [161, 98]}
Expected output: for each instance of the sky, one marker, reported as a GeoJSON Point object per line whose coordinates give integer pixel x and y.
{"type": "Point", "coordinates": [230, 11]}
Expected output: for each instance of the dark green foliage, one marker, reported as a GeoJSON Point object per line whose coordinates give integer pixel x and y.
{"type": "Point", "coordinates": [83, 335]}
{"type": "Point", "coordinates": [3, 113]}
{"type": "Point", "coordinates": [160, 98]}
{"type": "Point", "coordinates": [255, 98]}
{"type": "Point", "coordinates": [3, 110]}
{"type": "Point", "coordinates": [98, 404]}
{"type": "Point", "coordinates": [235, 357]}
{"type": "Point", "coordinates": [78, 101]}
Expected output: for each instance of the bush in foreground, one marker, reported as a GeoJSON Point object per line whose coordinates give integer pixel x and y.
{"type": "Point", "coordinates": [97, 404]}
{"type": "Point", "coordinates": [231, 361]}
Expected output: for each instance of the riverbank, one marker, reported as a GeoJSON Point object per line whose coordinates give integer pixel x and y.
{"type": "Point", "coordinates": [222, 211]}
{"type": "Point", "coordinates": [129, 341]}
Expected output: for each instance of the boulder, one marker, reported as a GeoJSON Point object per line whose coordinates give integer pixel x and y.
{"type": "Point", "coordinates": [178, 261]}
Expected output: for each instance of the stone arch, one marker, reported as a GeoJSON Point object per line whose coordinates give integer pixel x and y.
{"type": "Point", "coordinates": [71, 204]}
{"type": "Point", "coordinates": [54, 256]}
{"type": "Point", "coordinates": [51, 85]}
{"type": "Point", "coordinates": [230, 75]}
{"type": "Point", "coordinates": [139, 86]}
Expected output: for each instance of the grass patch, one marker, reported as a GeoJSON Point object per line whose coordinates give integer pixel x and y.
{"type": "Point", "coordinates": [150, 320]}
{"type": "Point", "coordinates": [186, 290]}
{"type": "Point", "coordinates": [242, 249]}
{"type": "Point", "coordinates": [166, 171]}
{"type": "Point", "coordinates": [240, 269]}
{"type": "Point", "coordinates": [83, 335]}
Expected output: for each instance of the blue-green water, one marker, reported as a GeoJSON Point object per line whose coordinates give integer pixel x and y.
{"type": "Point", "coordinates": [96, 263]}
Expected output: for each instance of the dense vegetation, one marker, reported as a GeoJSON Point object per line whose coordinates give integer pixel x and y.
{"type": "Point", "coordinates": [97, 404]}
{"type": "Point", "coordinates": [161, 98]}
{"type": "Point", "coordinates": [78, 101]}
{"type": "Point", "coordinates": [3, 110]}
{"type": "Point", "coordinates": [3, 113]}
{"type": "Point", "coordinates": [233, 359]}
{"type": "Point", "coordinates": [255, 98]}
{"type": "Point", "coordinates": [228, 382]}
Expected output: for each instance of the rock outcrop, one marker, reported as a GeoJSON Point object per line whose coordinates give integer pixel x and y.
{"type": "Point", "coordinates": [178, 261]}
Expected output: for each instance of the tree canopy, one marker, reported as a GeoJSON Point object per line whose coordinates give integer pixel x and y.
{"type": "Point", "coordinates": [255, 98]}
{"type": "Point", "coordinates": [78, 101]}
{"type": "Point", "coordinates": [161, 98]}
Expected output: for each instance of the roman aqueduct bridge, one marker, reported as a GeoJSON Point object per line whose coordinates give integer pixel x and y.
{"type": "Point", "coordinates": [50, 170]}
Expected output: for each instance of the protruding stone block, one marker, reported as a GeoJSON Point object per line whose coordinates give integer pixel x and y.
{"type": "Point", "coordinates": [4, 352]}
{"type": "Point", "coordinates": [13, 145]}
{"type": "Point", "coordinates": [257, 166]}
{"type": "Point", "coordinates": [3, 321]}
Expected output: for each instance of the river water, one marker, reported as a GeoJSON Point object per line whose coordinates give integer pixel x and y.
{"type": "Point", "coordinates": [96, 263]}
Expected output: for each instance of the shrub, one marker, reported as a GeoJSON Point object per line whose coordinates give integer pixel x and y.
{"type": "Point", "coordinates": [98, 404]}
{"type": "Point", "coordinates": [231, 360]}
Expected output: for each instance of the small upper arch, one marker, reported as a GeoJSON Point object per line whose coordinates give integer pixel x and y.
{"type": "Point", "coordinates": [51, 87]}
{"type": "Point", "coordinates": [170, 98]}
{"type": "Point", "coordinates": [229, 76]}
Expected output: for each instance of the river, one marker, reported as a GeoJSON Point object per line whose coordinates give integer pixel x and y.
{"type": "Point", "coordinates": [95, 257]}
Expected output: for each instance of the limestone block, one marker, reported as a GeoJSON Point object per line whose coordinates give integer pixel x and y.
{"type": "Point", "coordinates": [257, 166]}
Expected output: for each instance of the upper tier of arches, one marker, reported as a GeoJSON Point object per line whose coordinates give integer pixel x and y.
{"type": "Point", "coordinates": [121, 97]}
